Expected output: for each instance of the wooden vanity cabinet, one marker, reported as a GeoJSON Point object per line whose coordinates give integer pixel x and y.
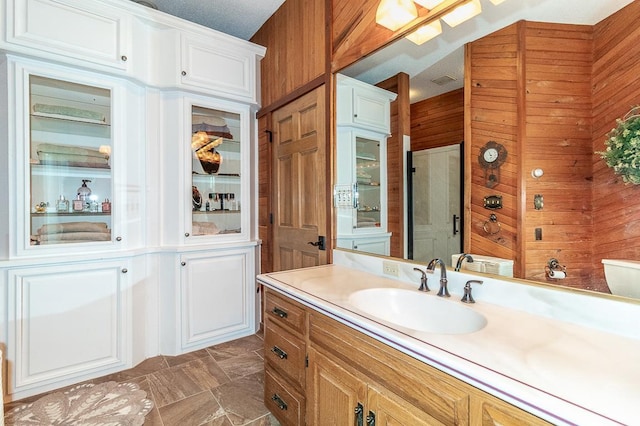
{"type": "Point", "coordinates": [285, 353]}
{"type": "Point", "coordinates": [347, 377]}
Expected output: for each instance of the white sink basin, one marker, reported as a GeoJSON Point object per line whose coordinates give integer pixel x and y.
{"type": "Point", "coordinates": [418, 311]}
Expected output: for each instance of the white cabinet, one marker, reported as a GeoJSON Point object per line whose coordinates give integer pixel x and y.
{"type": "Point", "coordinates": [77, 188]}
{"type": "Point", "coordinates": [87, 31]}
{"type": "Point", "coordinates": [214, 301]}
{"type": "Point", "coordinates": [363, 105]}
{"type": "Point", "coordinates": [209, 194]}
{"type": "Point", "coordinates": [225, 68]}
{"type": "Point", "coordinates": [361, 183]}
{"type": "Point", "coordinates": [67, 323]}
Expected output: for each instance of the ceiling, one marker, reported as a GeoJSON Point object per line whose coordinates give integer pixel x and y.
{"type": "Point", "coordinates": [442, 56]}
{"type": "Point", "coordinates": [240, 18]}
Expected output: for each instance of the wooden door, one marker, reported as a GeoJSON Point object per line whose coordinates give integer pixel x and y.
{"type": "Point", "coordinates": [299, 179]}
{"type": "Point", "coordinates": [333, 394]}
{"type": "Point", "coordinates": [436, 203]}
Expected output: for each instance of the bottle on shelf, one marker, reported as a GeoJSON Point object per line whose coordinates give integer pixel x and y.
{"type": "Point", "coordinates": [84, 192]}
{"type": "Point", "coordinates": [106, 206]}
{"type": "Point", "coordinates": [62, 205]}
{"type": "Point", "coordinates": [78, 204]}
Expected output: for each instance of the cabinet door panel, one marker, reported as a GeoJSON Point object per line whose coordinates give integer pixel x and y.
{"type": "Point", "coordinates": [333, 394]}
{"type": "Point", "coordinates": [283, 401]}
{"type": "Point", "coordinates": [207, 65]}
{"type": "Point", "coordinates": [285, 352]}
{"type": "Point", "coordinates": [66, 321]}
{"type": "Point", "coordinates": [391, 410]}
{"type": "Point", "coordinates": [97, 34]}
{"type": "Point", "coordinates": [214, 296]}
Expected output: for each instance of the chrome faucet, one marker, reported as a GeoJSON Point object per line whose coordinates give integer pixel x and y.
{"type": "Point", "coordinates": [461, 259]}
{"type": "Point", "coordinates": [443, 292]}
{"type": "Point", "coordinates": [423, 280]}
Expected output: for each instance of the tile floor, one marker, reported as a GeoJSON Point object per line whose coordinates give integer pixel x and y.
{"type": "Point", "coordinates": [218, 386]}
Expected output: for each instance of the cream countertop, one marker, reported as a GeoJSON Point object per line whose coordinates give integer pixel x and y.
{"type": "Point", "coordinates": [563, 372]}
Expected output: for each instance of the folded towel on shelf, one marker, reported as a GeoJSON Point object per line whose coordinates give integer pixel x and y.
{"type": "Point", "coordinates": [75, 236]}
{"type": "Point", "coordinates": [69, 112]}
{"type": "Point", "coordinates": [204, 228]}
{"type": "Point", "coordinates": [71, 156]}
{"type": "Point", "coordinates": [74, 227]}
{"type": "Point", "coordinates": [70, 149]}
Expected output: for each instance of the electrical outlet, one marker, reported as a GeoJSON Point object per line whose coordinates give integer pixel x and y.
{"type": "Point", "coordinates": [390, 268]}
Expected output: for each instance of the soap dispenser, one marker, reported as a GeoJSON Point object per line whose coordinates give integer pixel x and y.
{"type": "Point", "coordinates": [84, 192]}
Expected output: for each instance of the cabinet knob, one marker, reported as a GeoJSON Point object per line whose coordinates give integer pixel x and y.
{"type": "Point", "coordinates": [279, 312]}
{"type": "Point", "coordinates": [186, 234]}
{"type": "Point", "coordinates": [124, 58]}
{"type": "Point", "coordinates": [279, 402]}
{"type": "Point", "coordinates": [125, 270]}
{"type": "Point", "coordinates": [183, 263]}
{"type": "Point", "coordinates": [118, 238]}
{"type": "Point", "coordinates": [279, 352]}
{"type": "Point", "coordinates": [184, 73]}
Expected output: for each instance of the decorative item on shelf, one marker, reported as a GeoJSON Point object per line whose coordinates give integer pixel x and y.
{"type": "Point", "coordinates": [106, 206]}
{"type": "Point", "coordinates": [622, 147]}
{"type": "Point", "coordinates": [196, 198]}
{"type": "Point", "coordinates": [204, 149]}
{"type": "Point", "coordinates": [554, 270]}
{"type": "Point", "coordinates": [84, 194]}
{"type": "Point", "coordinates": [492, 226]}
{"type": "Point", "coordinates": [62, 205]}
{"type": "Point", "coordinates": [492, 156]}
{"type": "Point", "coordinates": [41, 207]}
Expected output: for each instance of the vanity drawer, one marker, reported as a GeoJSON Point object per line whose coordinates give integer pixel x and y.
{"type": "Point", "coordinates": [285, 352]}
{"type": "Point", "coordinates": [284, 312]}
{"type": "Point", "coordinates": [283, 401]}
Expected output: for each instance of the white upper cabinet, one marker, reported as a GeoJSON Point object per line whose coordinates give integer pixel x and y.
{"type": "Point", "coordinates": [76, 184]}
{"type": "Point", "coordinates": [363, 105]}
{"type": "Point", "coordinates": [209, 194]}
{"type": "Point", "coordinates": [77, 29]}
{"type": "Point", "coordinates": [207, 64]}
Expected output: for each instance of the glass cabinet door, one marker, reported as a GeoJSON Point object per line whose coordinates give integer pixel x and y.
{"type": "Point", "coordinates": [367, 173]}
{"type": "Point", "coordinates": [70, 162]}
{"type": "Point", "coordinates": [216, 190]}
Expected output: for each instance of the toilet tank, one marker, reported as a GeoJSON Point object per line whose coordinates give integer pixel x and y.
{"type": "Point", "coordinates": [623, 276]}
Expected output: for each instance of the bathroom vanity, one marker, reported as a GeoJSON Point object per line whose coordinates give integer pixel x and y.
{"type": "Point", "coordinates": [336, 353]}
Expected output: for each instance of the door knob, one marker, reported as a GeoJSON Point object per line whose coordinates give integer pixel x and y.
{"type": "Point", "coordinates": [320, 243]}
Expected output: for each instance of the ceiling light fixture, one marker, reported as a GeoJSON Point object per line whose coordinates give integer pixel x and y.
{"type": "Point", "coordinates": [394, 14]}
{"type": "Point", "coordinates": [463, 13]}
{"type": "Point", "coordinates": [430, 4]}
{"type": "Point", "coordinates": [426, 33]}
{"type": "Point", "coordinates": [496, 2]}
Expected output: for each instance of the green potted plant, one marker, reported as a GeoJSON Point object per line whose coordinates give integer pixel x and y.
{"type": "Point", "coordinates": [622, 147]}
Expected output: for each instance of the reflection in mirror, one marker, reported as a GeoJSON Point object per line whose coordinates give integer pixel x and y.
{"type": "Point", "coordinates": [548, 93]}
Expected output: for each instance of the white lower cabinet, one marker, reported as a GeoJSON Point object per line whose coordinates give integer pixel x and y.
{"type": "Point", "coordinates": [67, 323]}
{"type": "Point", "coordinates": [214, 300]}
{"type": "Point", "coordinates": [376, 244]}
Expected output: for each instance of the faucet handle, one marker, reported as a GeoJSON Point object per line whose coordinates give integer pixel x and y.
{"type": "Point", "coordinates": [468, 298]}
{"type": "Point", "coordinates": [423, 280]}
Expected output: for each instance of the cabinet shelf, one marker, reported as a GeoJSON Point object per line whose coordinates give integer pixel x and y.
{"type": "Point", "coordinates": [198, 212]}
{"type": "Point", "coordinates": [39, 169]}
{"type": "Point", "coordinates": [69, 125]}
{"type": "Point", "coordinates": [76, 214]}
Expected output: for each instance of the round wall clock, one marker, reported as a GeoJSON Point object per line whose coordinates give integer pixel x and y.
{"type": "Point", "coordinates": [492, 156]}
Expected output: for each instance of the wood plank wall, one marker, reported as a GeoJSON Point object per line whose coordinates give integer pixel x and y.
{"type": "Point", "coordinates": [491, 76]}
{"type": "Point", "coordinates": [438, 121]}
{"type": "Point", "coordinates": [616, 88]}
{"type": "Point", "coordinates": [557, 139]}
{"type": "Point", "coordinates": [400, 125]}
{"type": "Point", "coordinates": [296, 48]}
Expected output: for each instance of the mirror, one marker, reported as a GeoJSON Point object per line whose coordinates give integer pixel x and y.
{"type": "Point", "coordinates": [447, 50]}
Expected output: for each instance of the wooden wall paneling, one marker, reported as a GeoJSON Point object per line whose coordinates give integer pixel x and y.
{"type": "Point", "coordinates": [296, 48]}
{"type": "Point", "coordinates": [400, 125]}
{"type": "Point", "coordinates": [438, 121]}
{"type": "Point", "coordinates": [264, 194]}
{"type": "Point", "coordinates": [491, 75]}
{"type": "Point", "coordinates": [616, 87]}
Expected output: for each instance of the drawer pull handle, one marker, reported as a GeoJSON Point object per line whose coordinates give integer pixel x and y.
{"type": "Point", "coordinates": [279, 352]}
{"type": "Point", "coordinates": [281, 404]}
{"type": "Point", "coordinates": [279, 312]}
{"type": "Point", "coordinates": [358, 412]}
{"type": "Point", "coordinates": [371, 419]}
